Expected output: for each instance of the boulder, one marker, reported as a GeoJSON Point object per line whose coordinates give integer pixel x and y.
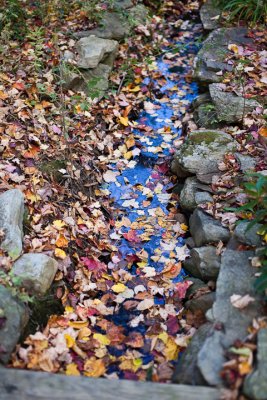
{"type": "Point", "coordinates": [205, 229]}
{"type": "Point", "coordinates": [11, 219]}
{"type": "Point", "coordinates": [201, 152]}
{"type": "Point", "coordinates": [236, 276]}
{"type": "Point", "coordinates": [93, 82]}
{"type": "Point", "coordinates": [117, 25]}
{"type": "Point", "coordinates": [229, 107]}
{"type": "Point", "coordinates": [203, 263]}
{"type": "Point", "coordinates": [248, 235]}
{"type": "Point", "coordinates": [255, 386]}
{"type": "Point", "coordinates": [186, 370]}
{"type": "Point", "coordinates": [36, 272]}
{"type": "Point", "coordinates": [190, 196]}
{"type": "Point", "coordinates": [13, 319]}
{"type": "Point", "coordinates": [210, 15]}
{"type": "Point", "coordinates": [211, 57]}
{"type": "Point", "coordinates": [198, 285]}
{"type": "Point", "coordinates": [93, 50]}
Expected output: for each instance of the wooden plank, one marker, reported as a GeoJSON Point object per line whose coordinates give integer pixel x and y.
{"type": "Point", "coordinates": [30, 385]}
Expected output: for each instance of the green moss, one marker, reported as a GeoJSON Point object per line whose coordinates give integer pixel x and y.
{"type": "Point", "coordinates": [52, 168]}
{"type": "Point", "coordinates": [207, 137]}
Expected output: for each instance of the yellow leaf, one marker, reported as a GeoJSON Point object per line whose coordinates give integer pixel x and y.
{"type": "Point", "coordinates": [58, 224]}
{"type": "Point", "coordinates": [171, 350]}
{"type": "Point", "coordinates": [69, 309]}
{"type": "Point", "coordinates": [128, 155]}
{"type": "Point", "coordinates": [184, 227]}
{"type": "Point", "coordinates": [142, 264]}
{"type": "Point", "coordinates": [137, 362]}
{"type": "Point", "coordinates": [84, 333]}
{"type": "Point", "coordinates": [244, 368]}
{"type": "Point", "coordinates": [70, 341]}
{"type": "Point", "coordinates": [72, 370]}
{"type": "Point", "coordinates": [103, 339]}
{"type": "Point", "coordinates": [124, 121]}
{"type": "Point", "coordinates": [163, 336]}
{"type": "Point", "coordinates": [60, 253]}
{"type": "Point", "coordinates": [62, 241]}
{"type": "Point", "coordinates": [94, 368]}
{"type": "Point", "coordinates": [233, 47]}
{"type": "Point", "coordinates": [78, 324]}
{"type": "Point", "coordinates": [135, 89]}
{"type": "Point", "coordinates": [118, 288]}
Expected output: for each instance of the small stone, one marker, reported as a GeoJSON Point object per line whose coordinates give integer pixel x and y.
{"type": "Point", "coordinates": [36, 271]}
{"type": "Point", "coordinates": [201, 304]}
{"type": "Point", "coordinates": [205, 229]}
{"type": "Point", "coordinates": [11, 219]}
{"type": "Point", "coordinates": [255, 386]}
{"type": "Point", "coordinates": [15, 317]}
{"type": "Point", "coordinates": [203, 263]}
{"type": "Point", "coordinates": [197, 284]}
{"type": "Point", "coordinates": [246, 163]}
{"type": "Point", "coordinates": [229, 107]}
{"type": "Point", "coordinates": [190, 197]}
{"type": "Point", "coordinates": [247, 235]}
{"type": "Point", "coordinates": [186, 371]}
{"type": "Point", "coordinates": [93, 50]}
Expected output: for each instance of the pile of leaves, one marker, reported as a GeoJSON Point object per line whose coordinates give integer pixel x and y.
{"type": "Point", "coordinates": [57, 147]}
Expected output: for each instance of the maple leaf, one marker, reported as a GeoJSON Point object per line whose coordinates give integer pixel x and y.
{"type": "Point", "coordinates": [181, 288]}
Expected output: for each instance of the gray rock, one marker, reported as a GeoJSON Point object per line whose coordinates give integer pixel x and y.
{"type": "Point", "coordinates": [18, 384]}
{"type": "Point", "coordinates": [247, 163]}
{"type": "Point", "coordinates": [14, 316]}
{"type": "Point", "coordinates": [186, 371]}
{"type": "Point", "coordinates": [113, 26]}
{"type": "Point", "coordinates": [247, 235]}
{"type": "Point", "coordinates": [201, 304]}
{"type": "Point", "coordinates": [205, 116]}
{"type": "Point", "coordinates": [255, 386]}
{"type": "Point", "coordinates": [211, 57]}
{"type": "Point", "coordinates": [117, 25]}
{"type": "Point", "coordinates": [36, 271]}
{"type": "Point", "coordinates": [203, 263]}
{"type": "Point", "coordinates": [196, 286]}
{"type": "Point", "coordinates": [236, 277]}
{"type": "Point", "coordinates": [210, 15]}
{"type": "Point", "coordinates": [93, 50]}
{"type": "Point", "coordinates": [123, 4]}
{"type": "Point", "coordinates": [11, 219]}
{"type": "Point", "coordinates": [190, 197]}
{"type": "Point", "coordinates": [229, 107]}
{"type": "Point", "coordinates": [93, 82]}
{"type": "Point", "coordinates": [201, 152]}
{"type": "Point", "coordinates": [205, 229]}
{"type": "Point", "coordinates": [190, 242]}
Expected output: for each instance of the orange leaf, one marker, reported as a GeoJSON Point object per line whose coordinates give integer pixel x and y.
{"type": "Point", "coordinates": [263, 131]}
{"type": "Point", "coordinates": [62, 241]}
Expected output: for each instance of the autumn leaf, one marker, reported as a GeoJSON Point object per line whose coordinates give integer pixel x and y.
{"type": "Point", "coordinates": [94, 368]}
{"type": "Point", "coordinates": [72, 369]}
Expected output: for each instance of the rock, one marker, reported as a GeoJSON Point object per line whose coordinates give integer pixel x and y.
{"type": "Point", "coordinates": [229, 107]}
{"type": "Point", "coordinates": [93, 50]}
{"type": "Point", "coordinates": [205, 116]}
{"type": "Point", "coordinates": [246, 163]}
{"type": "Point", "coordinates": [201, 152]}
{"type": "Point", "coordinates": [36, 271]}
{"type": "Point", "coordinates": [117, 25]}
{"type": "Point", "coordinates": [230, 323]}
{"type": "Point", "coordinates": [205, 229]}
{"type": "Point", "coordinates": [190, 197]}
{"type": "Point", "coordinates": [123, 4]}
{"type": "Point", "coordinates": [202, 303]}
{"type": "Point", "coordinates": [203, 263]}
{"type": "Point", "coordinates": [11, 219]}
{"type": "Point", "coordinates": [211, 57]}
{"type": "Point", "coordinates": [210, 15]}
{"type": "Point", "coordinates": [13, 319]}
{"type": "Point", "coordinates": [255, 386]}
{"type": "Point", "coordinates": [186, 371]}
{"type": "Point", "coordinates": [247, 235]}
{"type": "Point", "coordinates": [196, 286]}
{"type": "Point", "coordinates": [93, 82]}
{"type": "Point", "coordinates": [190, 242]}
{"type": "Point", "coordinates": [18, 384]}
